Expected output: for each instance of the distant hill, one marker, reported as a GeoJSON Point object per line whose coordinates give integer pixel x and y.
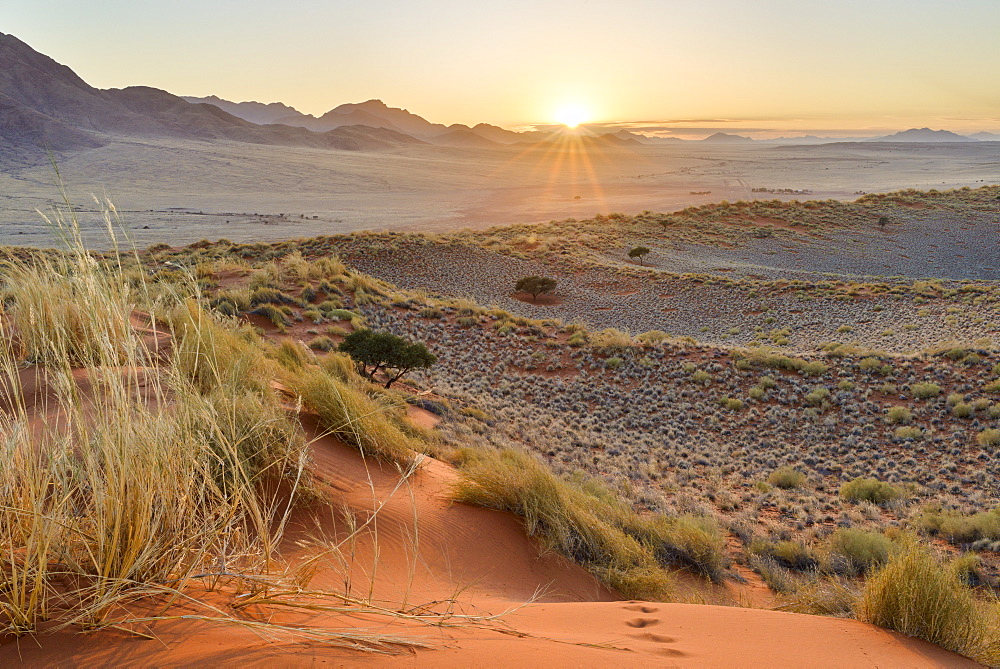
{"type": "Point", "coordinates": [255, 112]}
{"type": "Point", "coordinates": [986, 136]}
{"type": "Point", "coordinates": [724, 138]}
{"type": "Point", "coordinates": [396, 118]}
{"type": "Point", "coordinates": [45, 106]}
{"type": "Point", "coordinates": [462, 135]}
{"type": "Point", "coordinates": [497, 134]}
{"type": "Point", "coordinates": [923, 135]}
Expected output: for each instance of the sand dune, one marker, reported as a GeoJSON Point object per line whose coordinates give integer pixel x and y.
{"type": "Point", "coordinates": [430, 551]}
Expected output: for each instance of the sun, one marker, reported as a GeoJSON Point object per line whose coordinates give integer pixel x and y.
{"type": "Point", "coordinates": [571, 115]}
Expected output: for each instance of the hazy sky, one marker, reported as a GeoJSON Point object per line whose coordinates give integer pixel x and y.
{"type": "Point", "coordinates": [762, 63]}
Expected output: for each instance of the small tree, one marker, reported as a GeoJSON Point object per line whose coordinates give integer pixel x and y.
{"type": "Point", "coordinates": [883, 221]}
{"type": "Point", "coordinates": [638, 252]}
{"type": "Point", "coordinates": [536, 285]}
{"type": "Point", "coordinates": [383, 350]}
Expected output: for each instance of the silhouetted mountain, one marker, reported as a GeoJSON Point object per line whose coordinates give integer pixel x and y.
{"type": "Point", "coordinates": [724, 138]}
{"type": "Point", "coordinates": [255, 112]}
{"type": "Point", "coordinates": [462, 135]}
{"type": "Point", "coordinates": [923, 135]}
{"type": "Point", "coordinates": [46, 106]}
{"type": "Point", "coordinates": [985, 136]}
{"type": "Point", "coordinates": [497, 134]}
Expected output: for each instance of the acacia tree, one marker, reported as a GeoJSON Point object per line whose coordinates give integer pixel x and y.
{"type": "Point", "coordinates": [638, 252]}
{"type": "Point", "coordinates": [536, 285]}
{"type": "Point", "coordinates": [374, 351]}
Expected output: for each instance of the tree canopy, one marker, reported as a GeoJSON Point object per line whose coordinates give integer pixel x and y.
{"type": "Point", "coordinates": [536, 285]}
{"type": "Point", "coordinates": [374, 351]}
{"type": "Point", "coordinates": [638, 252]}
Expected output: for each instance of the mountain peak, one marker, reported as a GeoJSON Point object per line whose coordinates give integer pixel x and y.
{"type": "Point", "coordinates": [924, 135]}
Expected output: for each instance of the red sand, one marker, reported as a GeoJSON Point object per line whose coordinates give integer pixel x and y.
{"type": "Point", "coordinates": [429, 550]}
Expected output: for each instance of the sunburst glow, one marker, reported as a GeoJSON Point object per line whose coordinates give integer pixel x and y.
{"type": "Point", "coordinates": [572, 115]}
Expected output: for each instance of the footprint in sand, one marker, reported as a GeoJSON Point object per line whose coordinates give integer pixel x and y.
{"type": "Point", "coordinates": [642, 622]}
{"type": "Point", "coordinates": [640, 608]}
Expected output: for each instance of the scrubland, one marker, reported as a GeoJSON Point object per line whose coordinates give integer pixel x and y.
{"type": "Point", "coordinates": [738, 446]}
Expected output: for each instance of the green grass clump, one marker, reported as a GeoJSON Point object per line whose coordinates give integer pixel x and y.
{"type": "Point", "coordinates": [988, 437]}
{"type": "Point", "coordinates": [859, 551]}
{"type": "Point", "coordinates": [962, 410]}
{"type": "Point", "coordinates": [322, 343]}
{"type": "Point", "coordinates": [817, 396]}
{"type": "Point", "coordinates": [923, 391]}
{"type": "Point", "coordinates": [731, 403]}
{"type": "Point", "coordinates": [786, 478]}
{"type": "Point", "coordinates": [588, 525]}
{"type": "Point", "coordinates": [339, 314]}
{"type": "Point", "coordinates": [899, 415]}
{"type": "Point", "coordinates": [919, 596]}
{"type": "Point", "coordinates": [790, 554]}
{"type": "Point", "coordinates": [870, 490]}
{"type": "Point", "coordinates": [273, 314]}
{"type": "Point", "coordinates": [908, 432]}
{"type": "Point", "coordinates": [959, 528]}
{"type": "Point", "coordinates": [337, 395]}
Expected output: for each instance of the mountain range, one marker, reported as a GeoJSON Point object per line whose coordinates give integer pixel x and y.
{"type": "Point", "coordinates": [45, 106]}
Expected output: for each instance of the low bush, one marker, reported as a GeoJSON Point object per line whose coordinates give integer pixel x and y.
{"type": "Point", "coordinates": [988, 437]}
{"type": "Point", "coordinates": [859, 551]}
{"type": "Point", "coordinates": [786, 478]}
{"type": "Point", "coordinates": [870, 490]}
{"type": "Point", "coordinates": [923, 391]}
{"type": "Point", "coordinates": [899, 415]}
{"type": "Point", "coordinates": [959, 528]}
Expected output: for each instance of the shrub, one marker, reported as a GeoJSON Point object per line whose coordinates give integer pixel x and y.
{"type": "Point", "coordinates": [962, 410]}
{"type": "Point", "coordinates": [815, 368]}
{"type": "Point", "coordinates": [861, 551]}
{"type": "Point", "coordinates": [961, 529]}
{"type": "Point", "coordinates": [732, 403]}
{"type": "Point", "coordinates": [614, 363]}
{"type": "Point", "coordinates": [322, 344]}
{"type": "Point", "coordinates": [339, 314]}
{"type": "Point", "coordinates": [988, 437]}
{"type": "Point", "coordinates": [817, 396]}
{"type": "Point", "coordinates": [909, 432]}
{"type": "Point", "coordinates": [786, 478]}
{"type": "Point", "coordinates": [899, 415]}
{"type": "Point", "coordinates": [701, 376]}
{"type": "Point", "coordinates": [924, 391]}
{"type": "Point", "coordinates": [791, 554]}
{"type": "Point", "coordinates": [916, 595]}
{"type": "Point", "coordinates": [431, 312]}
{"type": "Point", "coordinates": [870, 364]}
{"type": "Point", "coordinates": [869, 490]}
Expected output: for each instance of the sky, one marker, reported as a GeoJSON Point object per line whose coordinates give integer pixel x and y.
{"type": "Point", "coordinates": [769, 65]}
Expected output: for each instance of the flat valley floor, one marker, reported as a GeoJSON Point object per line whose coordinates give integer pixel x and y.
{"type": "Point", "coordinates": [175, 192]}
